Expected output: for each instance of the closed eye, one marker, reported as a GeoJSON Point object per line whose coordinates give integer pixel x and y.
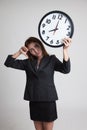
{"type": "Point", "coordinates": [37, 46]}
{"type": "Point", "coordinates": [31, 50]}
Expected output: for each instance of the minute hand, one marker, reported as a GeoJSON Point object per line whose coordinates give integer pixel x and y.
{"type": "Point", "coordinates": [56, 27]}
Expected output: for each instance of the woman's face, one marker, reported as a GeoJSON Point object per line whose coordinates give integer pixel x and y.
{"type": "Point", "coordinates": [35, 49]}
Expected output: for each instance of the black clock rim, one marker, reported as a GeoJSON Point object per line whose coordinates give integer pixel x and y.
{"type": "Point", "coordinates": [56, 11]}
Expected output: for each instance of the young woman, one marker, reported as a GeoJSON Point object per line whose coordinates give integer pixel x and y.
{"type": "Point", "coordinates": [40, 89]}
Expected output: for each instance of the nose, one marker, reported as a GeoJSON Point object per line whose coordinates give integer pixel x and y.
{"type": "Point", "coordinates": [36, 50]}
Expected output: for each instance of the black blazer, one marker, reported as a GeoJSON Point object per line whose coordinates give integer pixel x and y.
{"type": "Point", "coordinates": [40, 82]}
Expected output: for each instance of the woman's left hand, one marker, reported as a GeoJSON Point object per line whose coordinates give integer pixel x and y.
{"type": "Point", "coordinates": [67, 42]}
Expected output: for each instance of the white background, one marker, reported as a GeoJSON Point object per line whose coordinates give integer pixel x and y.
{"type": "Point", "coordinates": [19, 20]}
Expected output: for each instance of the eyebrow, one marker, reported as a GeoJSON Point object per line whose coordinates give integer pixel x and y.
{"type": "Point", "coordinates": [36, 44]}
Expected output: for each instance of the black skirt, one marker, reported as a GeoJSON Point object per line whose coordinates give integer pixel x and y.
{"type": "Point", "coordinates": [43, 111]}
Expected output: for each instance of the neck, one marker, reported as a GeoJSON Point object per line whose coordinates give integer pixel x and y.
{"type": "Point", "coordinates": [39, 58]}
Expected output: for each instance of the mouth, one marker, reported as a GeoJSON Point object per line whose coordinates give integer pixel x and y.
{"type": "Point", "coordinates": [38, 53]}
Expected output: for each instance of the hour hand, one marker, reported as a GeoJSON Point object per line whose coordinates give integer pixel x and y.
{"type": "Point", "coordinates": [53, 30]}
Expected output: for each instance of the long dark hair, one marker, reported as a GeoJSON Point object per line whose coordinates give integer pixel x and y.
{"type": "Point", "coordinates": [35, 40]}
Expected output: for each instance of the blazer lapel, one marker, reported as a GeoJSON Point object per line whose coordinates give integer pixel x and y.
{"type": "Point", "coordinates": [44, 61]}
{"type": "Point", "coordinates": [34, 64]}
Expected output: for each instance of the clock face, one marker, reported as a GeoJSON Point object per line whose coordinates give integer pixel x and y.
{"type": "Point", "coordinates": [54, 26]}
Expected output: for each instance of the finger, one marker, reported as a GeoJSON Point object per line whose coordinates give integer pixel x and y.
{"type": "Point", "coordinates": [65, 41]}
{"type": "Point", "coordinates": [68, 39]}
{"type": "Point", "coordinates": [66, 44]}
{"type": "Point", "coordinates": [24, 49]}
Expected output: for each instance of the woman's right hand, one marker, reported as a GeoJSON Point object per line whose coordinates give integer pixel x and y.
{"type": "Point", "coordinates": [23, 50]}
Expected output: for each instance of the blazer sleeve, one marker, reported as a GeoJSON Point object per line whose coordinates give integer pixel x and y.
{"type": "Point", "coordinates": [63, 67]}
{"type": "Point", "coordinates": [15, 63]}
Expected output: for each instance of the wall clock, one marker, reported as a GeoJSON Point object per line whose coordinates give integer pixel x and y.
{"type": "Point", "coordinates": [54, 26]}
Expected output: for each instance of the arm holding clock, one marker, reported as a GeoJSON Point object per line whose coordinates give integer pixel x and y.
{"type": "Point", "coordinates": [67, 42]}
{"type": "Point", "coordinates": [64, 67]}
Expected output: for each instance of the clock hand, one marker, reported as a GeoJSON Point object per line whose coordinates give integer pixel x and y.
{"type": "Point", "coordinates": [56, 27]}
{"type": "Point", "coordinates": [53, 30]}
{"type": "Point", "coordinates": [57, 24]}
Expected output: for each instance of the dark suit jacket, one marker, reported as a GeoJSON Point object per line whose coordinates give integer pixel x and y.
{"type": "Point", "coordinates": [40, 82]}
